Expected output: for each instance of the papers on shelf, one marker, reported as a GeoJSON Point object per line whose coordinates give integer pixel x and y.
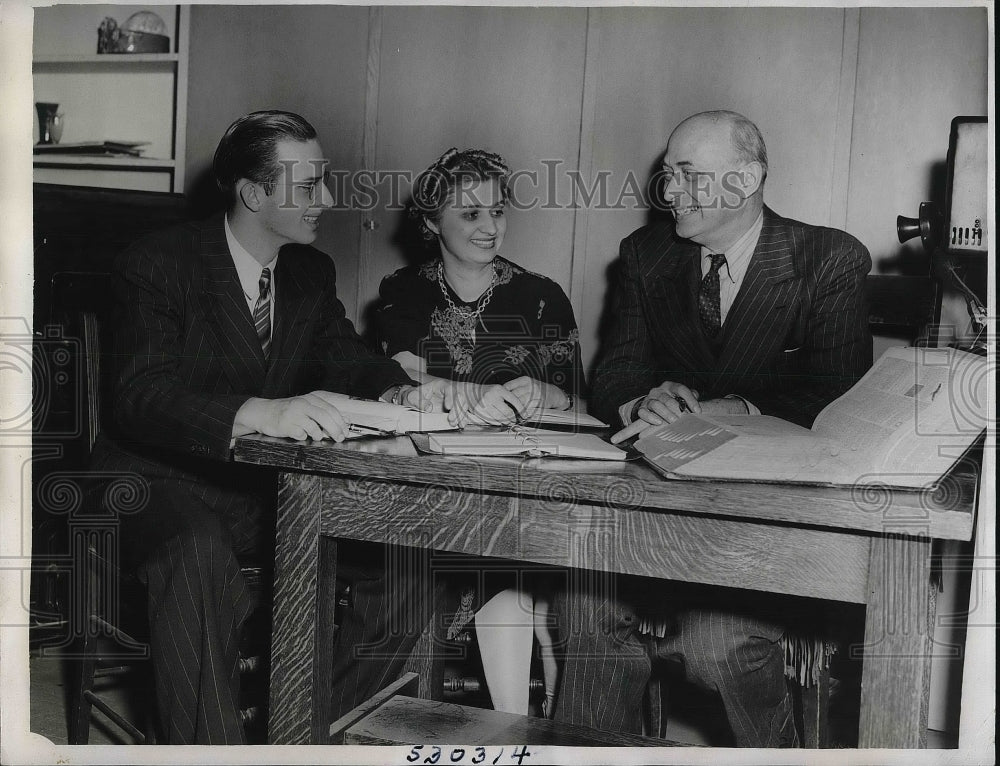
{"type": "Point", "coordinates": [521, 441]}
{"type": "Point", "coordinates": [130, 148]}
{"type": "Point", "coordinates": [904, 424]}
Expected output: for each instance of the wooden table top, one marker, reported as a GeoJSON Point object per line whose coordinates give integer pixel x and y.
{"type": "Point", "coordinates": [947, 512]}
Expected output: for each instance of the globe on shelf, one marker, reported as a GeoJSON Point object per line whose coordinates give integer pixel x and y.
{"type": "Point", "coordinates": [146, 22]}
{"type": "Point", "coordinates": [142, 32]}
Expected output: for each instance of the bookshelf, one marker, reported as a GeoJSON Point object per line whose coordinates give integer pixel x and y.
{"type": "Point", "coordinates": [121, 97]}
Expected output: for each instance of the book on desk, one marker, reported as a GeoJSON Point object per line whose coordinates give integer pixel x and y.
{"type": "Point", "coordinates": [518, 441]}
{"type": "Point", "coordinates": [912, 416]}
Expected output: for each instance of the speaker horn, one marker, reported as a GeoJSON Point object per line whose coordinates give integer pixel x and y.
{"type": "Point", "coordinates": [927, 226]}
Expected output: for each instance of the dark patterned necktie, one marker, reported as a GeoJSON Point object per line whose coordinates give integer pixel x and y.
{"type": "Point", "coordinates": [709, 301]}
{"type": "Point", "coordinates": [262, 312]}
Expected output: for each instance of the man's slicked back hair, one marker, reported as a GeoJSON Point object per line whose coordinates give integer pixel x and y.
{"type": "Point", "coordinates": [249, 148]}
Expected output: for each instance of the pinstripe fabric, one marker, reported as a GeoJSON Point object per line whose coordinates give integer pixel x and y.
{"type": "Point", "coordinates": [391, 602]}
{"type": "Point", "coordinates": [188, 357]}
{"type": "Point", "coordinates": [796, 336]}
{"type": "Point", "coordinates": [727, 644]}
{"type": "Point", "coordinates": [262, 313]}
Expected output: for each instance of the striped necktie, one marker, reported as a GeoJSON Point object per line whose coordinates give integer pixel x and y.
{"type": "Point", "coordinates": [709, 298]}
{"type": "Point", "coordinates": [262, 312]}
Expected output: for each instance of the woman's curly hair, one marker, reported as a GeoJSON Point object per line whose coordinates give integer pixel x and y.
{"type": "Point", "coordinates": [435, 187]}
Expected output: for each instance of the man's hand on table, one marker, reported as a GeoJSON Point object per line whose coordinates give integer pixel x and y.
{"type": "Point", "coordinates": [310, 416]}
{"type": "Point", "coordinates": [667, 402]}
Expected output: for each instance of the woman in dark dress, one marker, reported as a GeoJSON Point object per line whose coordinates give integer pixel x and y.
{"type": "Point", "coordinates": [507, 337]}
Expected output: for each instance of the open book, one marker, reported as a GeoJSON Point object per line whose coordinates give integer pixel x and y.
{"type": "Point", "coordinates": [521, 441]}
{"type": "Point", "coordinates": [904, 424]}
{"type": "Point", "coordinates": [368, 417]}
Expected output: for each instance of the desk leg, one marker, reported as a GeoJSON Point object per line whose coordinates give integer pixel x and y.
{"type": "Point", "coordinates": [895, 680]}
{"type": "Point", "coordinates": [303, 580]}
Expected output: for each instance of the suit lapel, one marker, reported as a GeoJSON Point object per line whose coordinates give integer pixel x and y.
{"type": "Point", "coordinates": [674, 276]}
{"type": "Point", "coordinates": [230, 325]}
{"type": "Point", "coordinates": [770, 284]}
{"type": "Point", "coordinates": [295, 298]}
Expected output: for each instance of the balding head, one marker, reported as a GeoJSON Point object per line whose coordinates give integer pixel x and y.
{"type": "Point", "coordinates": [714, 168]}
{"type": "Point", "coordinates": [744, 136]}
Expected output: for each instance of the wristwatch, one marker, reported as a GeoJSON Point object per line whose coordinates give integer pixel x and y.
{"type": "Point", "coordinates": [392, 394]}
{"type": "Point", "coordinates": [399, 393]}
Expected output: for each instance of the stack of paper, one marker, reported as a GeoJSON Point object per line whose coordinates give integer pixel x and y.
{"type": "Point", "coordinates": [130, 148]}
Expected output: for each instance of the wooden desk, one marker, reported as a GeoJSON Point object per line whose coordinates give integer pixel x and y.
{"type": "Point", "coordinates": [867, 546]}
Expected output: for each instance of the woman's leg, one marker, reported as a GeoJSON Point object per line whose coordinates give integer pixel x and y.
{"type": "Point", "coordinates": [505, 629]}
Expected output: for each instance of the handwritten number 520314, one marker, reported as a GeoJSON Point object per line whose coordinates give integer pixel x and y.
{"type": "Point", "coordinates": [476, 755]}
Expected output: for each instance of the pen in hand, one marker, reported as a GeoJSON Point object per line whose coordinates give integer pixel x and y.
{"type": "Point", "coordinates": [518, 417]}
{"type": "Point", "coordinates": [638, 425]}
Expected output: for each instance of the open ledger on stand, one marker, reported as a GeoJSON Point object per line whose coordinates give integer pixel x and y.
{"type": "Point", "coordinates": [904, 424]}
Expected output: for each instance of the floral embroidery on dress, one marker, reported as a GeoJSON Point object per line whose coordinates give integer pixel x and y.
{"type": "Point", "coordinates": [429, 269]}
{"type": "Point", "coordinates": [457, 328]}
{"type": "Point", "coordinates": [505, 270]}
{"type": "Point", "coordinates": [516, 354]}
{"type": "Point", "coordinates": [451, 328]}
{"type": "Point", "coordinates": [560, 350]}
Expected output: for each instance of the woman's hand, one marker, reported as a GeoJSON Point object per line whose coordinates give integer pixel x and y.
{"type": "Point", "coordinates": [537, 395]}
{"type": "Point", "coordinates": [471, 403]}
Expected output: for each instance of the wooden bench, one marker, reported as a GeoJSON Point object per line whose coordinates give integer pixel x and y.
{"type": "Point", "coordinates": [395, 717]}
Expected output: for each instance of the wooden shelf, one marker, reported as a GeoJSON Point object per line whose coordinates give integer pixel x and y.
{"type": "Point", "coordinates": [100, 161]}
{"type": "Point", "coordinates": [106, 59]}
{"type": "Point", "coordinates": [141, 95]}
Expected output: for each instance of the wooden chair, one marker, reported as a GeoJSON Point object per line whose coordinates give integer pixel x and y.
{"type": "Point", "coordinates": [109, 617]}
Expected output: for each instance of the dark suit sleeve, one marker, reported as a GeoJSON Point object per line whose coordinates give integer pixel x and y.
{"type": "Point", "coordinates": [153, 403]}
{"type": "Point", "coordinates": [349, 366]}
{"type": "Point", "coordinates": [627, 368]}
{"type": "Point", "coordinates": [402, 321]}
{"type": "Point", "coordinates": [836, 349]}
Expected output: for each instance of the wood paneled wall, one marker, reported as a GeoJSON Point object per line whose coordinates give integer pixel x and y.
{"type": "Point", "coordinates": [855, 106]}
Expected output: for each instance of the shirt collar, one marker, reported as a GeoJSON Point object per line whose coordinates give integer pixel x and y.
{"type": "Point", "coordinates": [739, 253]}
{"type": "Point", "coordinates": [248, 268]}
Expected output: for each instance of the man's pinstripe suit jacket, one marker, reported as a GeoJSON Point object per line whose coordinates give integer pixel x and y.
{"type": "Point", "coordinates": [187, 357]}
{"type": "Point", "coordinates": [795, 338]}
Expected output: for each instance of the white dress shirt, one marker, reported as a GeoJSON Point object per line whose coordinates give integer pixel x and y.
{"type": "Point", "coordinates": [738, 257]}
{"type": "Point", "coordinates": [248, 269]}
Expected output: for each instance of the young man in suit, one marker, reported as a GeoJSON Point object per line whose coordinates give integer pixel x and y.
{"type": "Point", "coordinates": [229, 326]}
{"type": "Point", "coordinates": [728, 308]}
